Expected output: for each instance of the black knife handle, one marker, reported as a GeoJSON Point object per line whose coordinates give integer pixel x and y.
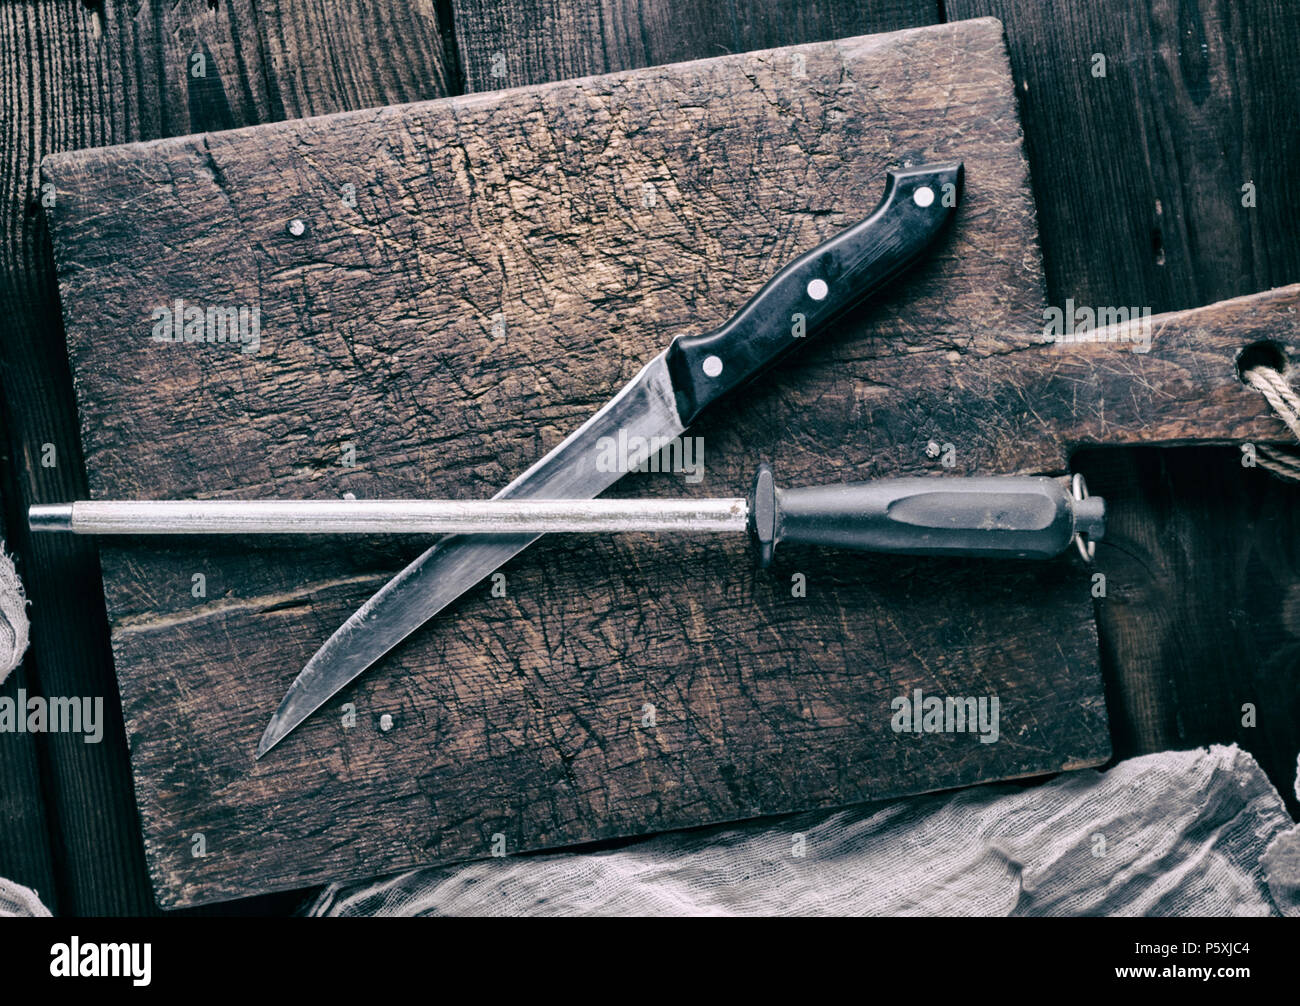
{"type": "Point", "coordinates": [807, 295]}
{"type": "Point", "coordinates": [1014, 516]}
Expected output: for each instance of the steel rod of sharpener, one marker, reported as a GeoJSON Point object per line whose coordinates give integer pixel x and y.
{"type": "Point", "coordinates": [714, 516]}
{"type": "Point", "coordinates": [994, 515]}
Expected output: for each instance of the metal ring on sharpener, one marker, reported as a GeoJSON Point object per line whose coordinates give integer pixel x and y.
{"type": "Point", "coordinates": [1079, 490]}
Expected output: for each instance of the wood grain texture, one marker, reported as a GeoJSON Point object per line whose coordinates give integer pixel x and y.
{"type": "Point", "coordinates": [51, 82]}
{"type": "Point", "coordinates": [1096, 212]}
{"type": "Point", "coordinates": [1200, 615]}
{"type": "Point", "coordinates": [522, 716]}
{"type": "Point", "coordinates": [1138, 178]}
{"type": "Point", "coordinates": [1139, 174]}
{"type": "Point", "coordinates": [25, 851]}
{"type": "Point", "coordinates": [523, 42]}
{"type": "Point", "coordinates": [83, 75]}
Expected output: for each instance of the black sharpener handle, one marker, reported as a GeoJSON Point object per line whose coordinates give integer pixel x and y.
{"type": "Point", "coordinates": [809, 294]}
{"type": "Point", "coordinates": [1012, 516]}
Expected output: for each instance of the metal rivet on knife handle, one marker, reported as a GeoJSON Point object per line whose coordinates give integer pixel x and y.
{"type": "Point", "coordinates": [821, 284]}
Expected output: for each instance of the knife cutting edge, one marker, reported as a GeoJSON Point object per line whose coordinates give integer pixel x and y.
{"type": "Point", "coordinates": [668, 394]}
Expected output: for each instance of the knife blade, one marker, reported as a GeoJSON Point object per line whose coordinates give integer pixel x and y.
{"type": "Point", "coordinates": [669, 393]}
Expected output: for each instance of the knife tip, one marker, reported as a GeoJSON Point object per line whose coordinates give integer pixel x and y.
{"type": "Point", "coordinates": [270, 738]}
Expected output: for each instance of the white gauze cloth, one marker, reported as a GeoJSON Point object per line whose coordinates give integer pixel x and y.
{"type": "Point", "coordinates": [1198, 832]}
{"type": "Point", "coordinates": [17, 901]}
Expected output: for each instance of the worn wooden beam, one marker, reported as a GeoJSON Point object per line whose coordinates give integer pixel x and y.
{"type": "Point", "coordinates": [83, 75]}
{"type": "Point", "coordinates": [507, 261]}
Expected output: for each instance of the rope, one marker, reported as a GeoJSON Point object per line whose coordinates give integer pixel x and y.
{"type": "Point", "coordinates": [1281, 461]}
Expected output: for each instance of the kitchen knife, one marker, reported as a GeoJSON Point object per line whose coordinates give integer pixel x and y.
{"type": "Point", "coordinates": [669, 393]}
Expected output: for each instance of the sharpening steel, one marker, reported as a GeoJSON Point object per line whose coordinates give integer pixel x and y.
{"type": "Point", "coordinates": [1008, 515]}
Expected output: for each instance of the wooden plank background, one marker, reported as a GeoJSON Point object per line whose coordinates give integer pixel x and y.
{"type": "Point", "coordinates": [519, 716]}
{"type": "Point", "coordinates": [82, 75]}
{"type": "Point", "coordinates": [85, 75]}
{"type": "Point", "coordinates": [1138, 179]}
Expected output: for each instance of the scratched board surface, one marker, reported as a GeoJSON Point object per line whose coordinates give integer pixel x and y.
{"type": "Point", "coordinates": [470, 279]}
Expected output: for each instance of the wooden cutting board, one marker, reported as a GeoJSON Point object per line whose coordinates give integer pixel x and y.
{"type": "Point", "coordinates": [445, 290]}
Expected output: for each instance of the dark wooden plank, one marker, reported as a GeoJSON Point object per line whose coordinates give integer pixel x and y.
{"type": "Point", "coordinates": [25, 854]}
{"type": "Point", "coordinates": [535, 41]}
{"type": "Point", "coordinates": [1138, 180]}
{"type": "Point", "coordinates": [1202, 640]}
{"type": "Point", "coordinates": [81, 76]}
{"type": "Point", "coordinates": [521, 716]}
{"type": "Point", "coordinates": [57, 99]}
{"type": "Point", "coordinates": [1138, 175]}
